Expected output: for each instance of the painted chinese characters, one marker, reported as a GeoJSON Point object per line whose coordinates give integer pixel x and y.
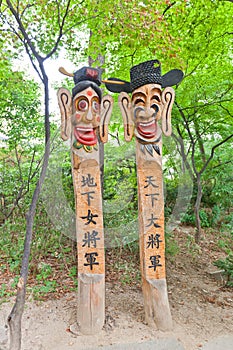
{"type": "Point", "coordinates": [91, 239]}
{"type": "Point", "coordinates": [151, 194]}
{"type": "Point", "coordinates": [89, 222]}
{"type": "Point", "coordinates": [153, 240]}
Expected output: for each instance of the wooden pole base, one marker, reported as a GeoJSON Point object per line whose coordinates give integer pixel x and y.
{"type": "Point", "coordinates": [91, 303]}
{"type": "Point", "coordinates": [156, 305]}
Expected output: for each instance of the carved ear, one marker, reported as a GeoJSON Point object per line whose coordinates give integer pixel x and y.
{"type": "Point", "coordinates": [124, 101]}
{"type": "Point", "coordinates": [106, 111]}
{"type": "Point", "coordinates": [65, 104]}
{"type": "Point", "coordinates": [168, 96]}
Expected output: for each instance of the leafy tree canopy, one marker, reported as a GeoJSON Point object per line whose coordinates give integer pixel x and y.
{"type": "Point", "coordinates": [20, 119]}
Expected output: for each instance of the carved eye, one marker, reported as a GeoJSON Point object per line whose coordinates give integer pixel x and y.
{"type": "Point", "coordinates": [139, 101]}
{"type": "Point", "coordinates": [157, 98]}
{"type": "Point", "coordinates": [82, 105]}
{"type": "Point", "coordinates": [96, 106]}
{"type": "Point", "coordinates": [155, 107]}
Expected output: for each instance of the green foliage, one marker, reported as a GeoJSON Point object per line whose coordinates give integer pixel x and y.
{"type": "Point", "coordinates": [120, 194]}
{"type": "Point", "coordinates": [51, 255]}
{"type": "Point", "coordinates": [22, 130]}
{"type": "Point", "coordinates": [20, 119]}
{"type": "Point", "coordinates": [218, 181]}
{"type": "Point", "coordinates": [193, 35]}
{"type": "Point", "coordinates": [188, 219]}
{"type": "Point", "coordinates": [131, 31]}
{"type": "Point", "coordinates": [171, 247]}
{"type": "Point", "coordinates": [44, 288]}
{"type": "Point", "coordinates": [43, 21]}
{"type": "Point", "coordinates": [227, 266]}
{"type": "Point", "coordinates": [208, 218]}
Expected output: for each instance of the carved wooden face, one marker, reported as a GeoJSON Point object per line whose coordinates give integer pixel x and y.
{"type": "Point", "coordinates": [86, 116]}
{"type": "Point", "coordinates": [82, 117]}
{"type": "Point", "coordinates": [141, 113]}
{"type": "Point", "coordinates": [146, 111]}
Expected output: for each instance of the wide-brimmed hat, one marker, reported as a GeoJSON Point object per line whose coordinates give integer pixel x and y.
{"type": "Point", "coordinates": [148, 72]}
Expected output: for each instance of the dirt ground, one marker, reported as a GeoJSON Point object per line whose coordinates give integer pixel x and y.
{"type": "Point", "coordinates": [201, 306]}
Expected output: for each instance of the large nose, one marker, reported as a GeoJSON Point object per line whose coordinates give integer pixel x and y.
{"type": "Point", "coordinates": [150, 112]}
{"type": "Point", "coordinates": [144, 112]}
{"type": "Point", "coordinates": [89, 115]}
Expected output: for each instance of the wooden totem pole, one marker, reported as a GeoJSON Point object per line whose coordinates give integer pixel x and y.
{"type": "Point", "coordinates": [141, 113]}
{"type": "Point", "coordinates": [85, 116]}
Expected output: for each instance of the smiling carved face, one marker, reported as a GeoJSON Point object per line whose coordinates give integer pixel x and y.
{"type": "Point", "coordinates": [86, 117]}
{"type": "Point", "coordinates": [146, 108]}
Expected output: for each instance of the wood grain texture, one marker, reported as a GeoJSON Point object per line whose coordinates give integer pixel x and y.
{"type": "Point", "coordinates": [152, 238]}
{"type": "Point", "coordinates": [91, 306]}
{"type": "Point", "coordinates": [90, 243]}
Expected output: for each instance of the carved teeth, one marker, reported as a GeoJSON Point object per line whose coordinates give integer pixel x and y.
{"type": "Point", "coordinates": [84, 129]}
{"type": "Point", "coordinates": [147, 124]}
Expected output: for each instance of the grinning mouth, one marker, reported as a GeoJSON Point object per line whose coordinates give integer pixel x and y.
{"type": "Point", "coordinates": [85, 136]}
{"type": "Point", "coordinates": [147, 130]}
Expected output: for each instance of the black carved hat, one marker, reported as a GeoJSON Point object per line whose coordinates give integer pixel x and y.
{"type": "Point", "coordinates": [87, 76]}
{"type": "Point", "coordinates": [148, 72]}
{"type": "Point", "coordinates": [83, 78]}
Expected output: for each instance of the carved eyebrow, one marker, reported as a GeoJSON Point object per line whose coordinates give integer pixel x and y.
{"type": "Point", "coordinates": [138, 98]}
{"type": "Point", "coordinates": [139, 95]}
{"type": "Point", "coordinates": [156, 97]}
{"type": "Point", "coordinates": [95, 98]}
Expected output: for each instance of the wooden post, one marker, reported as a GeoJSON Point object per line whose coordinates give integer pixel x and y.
{"type": "Point", "coordinates": [152, 238]}
{"type": "Point", "coordinates": [85, 116]}
{"type": "Point", "coordinates": [141, 113]}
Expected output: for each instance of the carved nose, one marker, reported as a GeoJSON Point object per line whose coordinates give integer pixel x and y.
{"type": "Point", "coordinates": [139, 112]}
{"type": "Point", "coordinates": [148, 112]}
{"type": "Point", "coordinates": [89, 115]}
{"type": "Point", "coordinates": [151, 112]}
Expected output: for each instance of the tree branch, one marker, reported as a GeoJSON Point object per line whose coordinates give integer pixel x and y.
{"type": "Point", "coordinates": [168, 7]}
{"type": "Point", "coordinates": [61, 26]}
{"type": "Point", "coordinates": [212, 152]}
{"type": "Point", "coordinates": [206, 104]}
{"type": "Point", "coordinates": [32, 62]}
{"type": "Point", "coordinates": [226, 110]}
{"type": "Point", "coordinates": [222, 164]}
{"type": "Point", "coordinates": [22, 29]}
{"type": "Point", "coordinates": [180, 141]}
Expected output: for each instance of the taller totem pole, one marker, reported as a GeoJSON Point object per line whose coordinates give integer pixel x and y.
{"type": "Point", "coordinates": [152, 100]}
{"type": "Point", "coordinates": [85, 115]}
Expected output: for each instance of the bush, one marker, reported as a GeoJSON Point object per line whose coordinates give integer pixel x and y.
{"type": "Point", "coordinates": [227, 266]}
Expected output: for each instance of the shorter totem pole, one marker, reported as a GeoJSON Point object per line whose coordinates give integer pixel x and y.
{"type": "Point", "coordinates": [152, 100]}
{"type": "Point", "coordinates": [85, 116]}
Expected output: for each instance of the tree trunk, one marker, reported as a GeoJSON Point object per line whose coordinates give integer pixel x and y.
{"type": "Point", "coordinates": [200, 140]}
{"type": "Point", "coordinates": [197, 209]}
{"type": "Point", "coordinates": [15, 317]}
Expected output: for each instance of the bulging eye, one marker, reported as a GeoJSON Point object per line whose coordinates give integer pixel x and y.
{"type": "Point", "coordinates": [82, 105]}
{"type": "Point", "coordinates": [95, 106]}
